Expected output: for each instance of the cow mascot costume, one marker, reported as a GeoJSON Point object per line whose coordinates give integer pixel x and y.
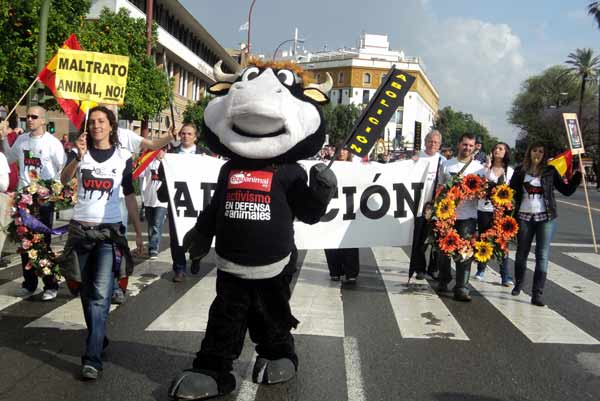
{"type": "Point", "coordinates": [263, 119]}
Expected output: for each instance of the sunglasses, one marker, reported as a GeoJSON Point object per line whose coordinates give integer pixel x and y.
{"type": "Point", "coordinates": [33, 116]}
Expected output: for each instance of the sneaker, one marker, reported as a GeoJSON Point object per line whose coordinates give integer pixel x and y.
{"type": "Point", "coordinates": [153, 255]}
{"type": "Point", "coordinates": [178, 277]}
{"type": "Point", "coordinates": [479, 275]}
{"type": "Point", "coordinates": [24, 292]}
{"type": "Point", "coordinates": [89, 372]}
{"type": "Point", "coordinates": [118, 297]}
{"type": "Point", "coordinates": [508, 282]}
{"type": "Point", "coordinates": [336, 278]}
{"type": "Point", "coordinates": [195, 268]}
{"type": "Point", "coordinates": [350, 280]}
{"type": "Point", "coordinates": [516, 291]}
{"type": "Point", "coordinates": [49, 295]}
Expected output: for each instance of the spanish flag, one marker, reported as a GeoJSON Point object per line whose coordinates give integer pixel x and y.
{"type": "Point", "coordinates": [144, 161]}
{"type": "Point", "coordinates": [563, 163]}
{"type": "Point", "coordinates": [74, 109]}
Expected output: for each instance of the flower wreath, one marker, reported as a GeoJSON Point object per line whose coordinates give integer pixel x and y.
{"type": "Point", "coordinates": [27, 231]}
{"type": "Point", "coordinates": [494, 241]}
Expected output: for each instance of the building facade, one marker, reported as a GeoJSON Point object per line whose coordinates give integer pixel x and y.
{"type": "Point", "coordinates": [358, 72]}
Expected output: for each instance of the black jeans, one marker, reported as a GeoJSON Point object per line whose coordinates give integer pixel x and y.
{"type": "Point", "coordinates": [177, 251]}
{"type": "Point", "coordinates": [466, 228]}
{"type": "Point", "coordinates": [260, 306]}
{"type": "Point", "coordinates": [418, 261]}
{"type": "Point", "coordinates": [344, 261]}
{"type": "Point", "coordinates": [46, 216]}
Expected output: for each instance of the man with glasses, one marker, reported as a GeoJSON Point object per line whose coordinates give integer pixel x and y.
{"type": "Point", "coordinates": [36, 152]}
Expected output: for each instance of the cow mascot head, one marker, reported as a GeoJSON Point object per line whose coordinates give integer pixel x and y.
{"type": "Point", "coordinates": [264, 119]}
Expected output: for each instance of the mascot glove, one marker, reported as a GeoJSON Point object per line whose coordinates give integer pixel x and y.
{"type": "Point", "coordinates": [323, 182]}
{"type": "Point", "coordinates": [197, 244]}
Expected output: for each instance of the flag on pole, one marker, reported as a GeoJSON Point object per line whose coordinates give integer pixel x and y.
{"type": "Point", "coordinates": [74, 110]}
{"type": "Point", "coordinates": [563, 163]}
{"type": "Point", "coordinates": [245, 26]}
{"type": "Point", "coordinates": [144, 161]}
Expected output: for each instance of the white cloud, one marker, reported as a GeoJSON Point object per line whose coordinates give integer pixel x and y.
{"type": "Point", "coordinates": [477, 68]}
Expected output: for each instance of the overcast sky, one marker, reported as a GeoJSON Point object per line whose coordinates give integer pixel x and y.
{"type": "Point", "coordinates": [476, 52]}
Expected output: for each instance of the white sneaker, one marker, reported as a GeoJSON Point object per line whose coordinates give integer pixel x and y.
{"type": "Point", "coordinates": [49, 295]}
{"type": "Point", "coordinates": [24, 292]}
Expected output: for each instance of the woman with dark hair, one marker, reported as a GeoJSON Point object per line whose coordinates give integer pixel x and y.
{"type": "Point", "coordinates": [498, 172]}
{"type": "Point", "coordinates": [534, 183]}
{"type": "Point", "coordinates": [97, 247]}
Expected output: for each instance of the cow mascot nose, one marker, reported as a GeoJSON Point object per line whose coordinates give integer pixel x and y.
{"type": "Point", "coordinates": [264, 119]}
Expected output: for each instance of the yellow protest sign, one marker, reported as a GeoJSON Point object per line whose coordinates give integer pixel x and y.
{"type": "Point", "coordinates": [98, 77]}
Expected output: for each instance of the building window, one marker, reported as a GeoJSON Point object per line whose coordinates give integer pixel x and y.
{"type": "Point", "coordinates": [399, 116]}
{"type": "Point", "coordinates": [340, 97]}
{"type": "Point", "coordinates": [365, 96]}
{"type": "Point", "coordinates": [382, 78]}
{"type": "Point", "coordinates": [367, 78]}
{"type": "Point", "coordinates": [340, 77]}
{"type": "Point", "coordinates": [183, 82]}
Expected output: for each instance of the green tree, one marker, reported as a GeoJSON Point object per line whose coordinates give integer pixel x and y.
{"type": "Point", "coordinates": [147, 91]}
{"type": "Point", "coordinates": [594, 10]}
{"type": "Point", "coordinates": [452, 124]}
{"type": "Point", "coordinates": [340, 120]}
{"type": "Point", "coordinates": [19, 23]}
{"type": "Point", "coordinates": [583, 64]}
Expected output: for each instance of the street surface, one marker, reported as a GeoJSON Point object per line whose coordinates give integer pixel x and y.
{"type": "Point", "coordinates": [382, 339]}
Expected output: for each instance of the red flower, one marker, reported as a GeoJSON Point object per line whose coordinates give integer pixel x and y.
{"type": "Point", "coordinates": [450, 242]}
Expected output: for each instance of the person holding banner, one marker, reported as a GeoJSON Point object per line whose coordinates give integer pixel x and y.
{"type": "Point", "coordinates": [534, 183]}
{"type": "Point", "coordinates": [156, 211]}
{"type": "Point", "coordinates": [433, 141]}
{"type": "Point", "coordinates": [39, 154]}
{"type": "Point", "coordinates": [497, 171]}
{"type": "Point", "coordinates": [466, 217]}
{"type": "Point", "coordinates": [96, 238]}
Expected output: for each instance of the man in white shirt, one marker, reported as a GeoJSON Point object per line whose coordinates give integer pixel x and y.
{"type": "Point", "coordinates": [433, 141]}
{"type": "Point", "coordinates": [37, 152]}
{"type": "Point", "coordinates": [466, 217]}
{"type": "Point", "coordinates": [156, 211]}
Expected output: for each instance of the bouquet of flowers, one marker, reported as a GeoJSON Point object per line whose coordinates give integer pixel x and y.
{"type": "Point", "coordinates": [493, 242]}
{"type": "Point", "coordinates": [28, 231]}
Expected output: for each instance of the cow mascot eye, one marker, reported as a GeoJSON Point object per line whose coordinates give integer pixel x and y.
{"type": "Point", "coordinates": [264, 119]}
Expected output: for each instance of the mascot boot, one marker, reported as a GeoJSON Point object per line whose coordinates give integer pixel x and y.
{"type": "Point", "coordinates": [273, 371]}
{"type": "Point", "coordinates": [199, 385]}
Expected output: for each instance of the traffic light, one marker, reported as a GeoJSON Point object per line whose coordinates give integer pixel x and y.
{"type": "Point", "coordinates": [51, 127]}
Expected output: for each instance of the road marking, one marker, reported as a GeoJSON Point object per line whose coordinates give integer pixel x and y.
{"type": "Point", "coordinates": [248, 389]}
{"type": "Point", "coordinates": [317, 301]}
{"type": "Point", "coordinates": [577, 205]}
{"type": "Point", "coordinates": [539, 325]}
{"type": "Point", "coordinates": [70, 315]}
{"type": "Point", "coordinates": [591, 259]}
{"type": "Point", "coordinates": [354, 377]}
{"type": "Point", "coordinates": [419, 311]}
{"type": "Point", "coordinates": [574, 283]}
{"type": "Point", "coordinates": [8, 291]}
{"type": "Point", "coordinates": [190, 312]}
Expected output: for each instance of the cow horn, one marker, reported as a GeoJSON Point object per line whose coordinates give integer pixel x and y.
{"type": "Point", "coordinates": [220, 76]}
{"type": "Point", "coordinates": [324, 87]}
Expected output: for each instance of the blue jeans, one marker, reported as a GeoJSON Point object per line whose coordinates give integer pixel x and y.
{"type": "Point", "coordinates": [543, 232]}
{"type": "Point", "coordinates": [96, 290]}
{"type": "Point", "coordinates": [155, 217]}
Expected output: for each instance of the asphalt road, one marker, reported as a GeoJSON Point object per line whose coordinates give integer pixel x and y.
{"type": "Point", "coordinates": [382, 339]}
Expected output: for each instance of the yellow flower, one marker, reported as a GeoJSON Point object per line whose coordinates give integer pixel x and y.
{"type": "Point", "coordinates": [445, 209]}
{"type": "Point", "coordinates": [483, 251]}
{"type": "Point", "coordinates": [32, 188]}
{"type": "Point", "coordinates": [32, 254]}
{"type": "Point", "coordinates": [57, 187]}
{"type": "Point", "coordinates": [502, 195]}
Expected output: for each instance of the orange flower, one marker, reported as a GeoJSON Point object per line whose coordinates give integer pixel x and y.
{"type": "Point", "coordinates": [453, 193]}
{"type": "Point", "coordinates": [472, 184]}
{"type": "Point", "coordinates": [449, 243]}
{"type": "Point", "coordinates": [507, 227]}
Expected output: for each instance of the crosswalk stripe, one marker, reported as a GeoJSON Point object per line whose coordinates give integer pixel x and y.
{"type": "Point", "coordinates": [70, 315]}
{"type": "Point", "coordinates": [592, 259]}
{"type": "Point", "coordinates": [539, 325]}
{"type": "Point", "coordinates": [574, 283]}
{"type": "Point", "coordinates": [354, 377]}
{"type": "Point", "coordinates": [419, 312]}
{"type": "Point", "coordinates": [8, 291]}
{"type": "Point", "coordinates": [316, 300]}
{"type": "Point", "coordinates": [190, 312]}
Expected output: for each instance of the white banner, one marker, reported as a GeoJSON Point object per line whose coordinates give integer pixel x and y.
{"type": "Point", "coordinates": [374, 205]}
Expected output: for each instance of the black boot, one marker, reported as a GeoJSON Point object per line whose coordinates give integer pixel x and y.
{"type": "Point", "coordinates": [268, 371]}
{"type": "Point", "coordinates": [539, 281]}
{"type": "Point", "coordinates": [519, 278]}
{"type": "Point", "coordinates": [200, 384]}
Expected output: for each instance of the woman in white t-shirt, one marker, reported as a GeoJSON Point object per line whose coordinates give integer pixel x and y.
{"type": "Point", "coordinates": [498, 172]}
{"type": "Point", "coordinates": [96, 230]}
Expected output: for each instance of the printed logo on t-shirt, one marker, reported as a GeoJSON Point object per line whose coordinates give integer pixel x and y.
{"type": "Point", "coordinates": [30, 161]}
{"type": "Point", "coordinates": [253, 180]}
{"type": "Point", "coordinates": [99, 179]}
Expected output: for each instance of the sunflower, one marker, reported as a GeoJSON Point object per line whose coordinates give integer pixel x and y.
{"type": "Point", "coordinates": [502, 195]}
{"type": "Point", "coordinates": [507, 227]}
{"type": "Point", "coordinates": [483, 251]}
{"type": "Point", "coordinates": [472, 184]}
{"type": "Point", "coordinates": [445, 209]}
{"type": "Point", "coordinates": [449, 242]}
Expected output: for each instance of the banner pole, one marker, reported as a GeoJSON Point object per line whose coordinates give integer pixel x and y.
{"type": "Point", "coordinates": [22, 97]}
{"type": "Point", "coordinates": [587, 201]}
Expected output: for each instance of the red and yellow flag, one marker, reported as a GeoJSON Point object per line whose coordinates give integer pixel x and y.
{"type": "Point", "coordinates": [144, 161]}
{"type": "Point", "coordinates": [75, 110]}
{"type": "Point", "coordinates": [563, 163]}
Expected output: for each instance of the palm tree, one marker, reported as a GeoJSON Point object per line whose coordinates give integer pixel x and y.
{"type": "Point", "coordinates": [583, 64]}
{"type": "Point", "coordinates": [594, 10]}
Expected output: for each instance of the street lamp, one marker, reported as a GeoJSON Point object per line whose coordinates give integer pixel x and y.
{"type": "Point", "coordinates": [283, 43]}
